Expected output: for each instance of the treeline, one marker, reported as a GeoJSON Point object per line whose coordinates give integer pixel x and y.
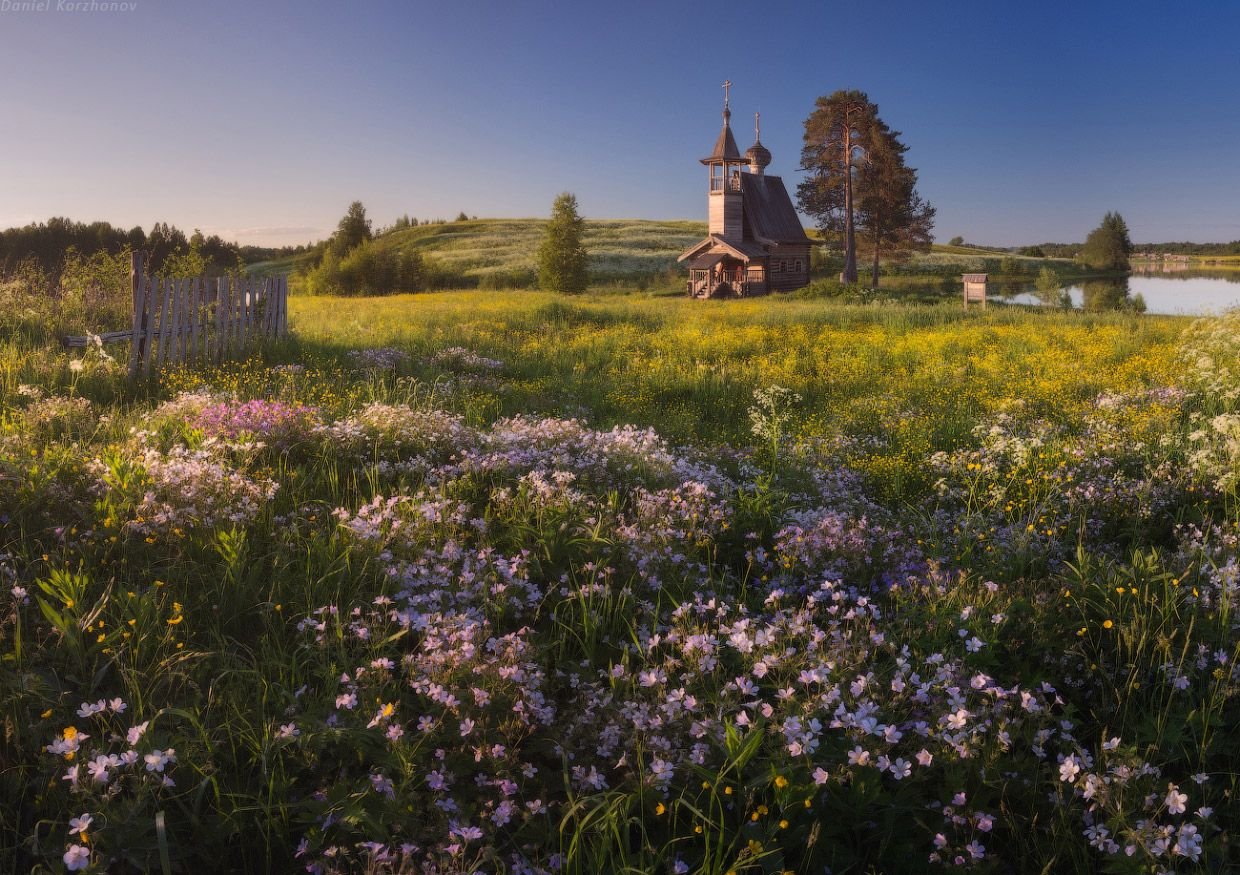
{"type": "Point", "coordinates": [1232, 248]}
{"type": "Point", "coordinates": [1072, 250]}
{"type": "Point", "coordinates": [44, 245]}
{"type": "Point", "coordinates": [407, 221]}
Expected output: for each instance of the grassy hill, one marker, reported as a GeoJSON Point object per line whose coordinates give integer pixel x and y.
{"type": "Point", "coordinates": [497, 253]}
{"type": "Point", "coordinates": [487, 250]}
{"type": "Point", "coordinates": [618, 247]}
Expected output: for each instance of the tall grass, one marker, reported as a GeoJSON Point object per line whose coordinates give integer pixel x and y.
{"type": "Point", "coordinates": [949, 590]}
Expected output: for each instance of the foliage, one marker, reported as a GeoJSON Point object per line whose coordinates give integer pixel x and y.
{"type": "Point", "coordinates": [610, 584]}
{"type": "Point", "coordinates": [860, 184]}
{"type": "Point", "coordinates": [1048, 284]}
{"type": "Point", "coordinates": [45, 244]}
{"type": "Point", "coordinates": [1108, 246]}
{"type": "Point", "coordinates": [562, 255]}
{"type": "Point", "coordinates": [352, 231]}
{"type": "Point", "coordinates": [368, 269]}
{"type": "Point", "coordinates": [892, 218]}
{"type": "Point", "coordinates": [838, 134]}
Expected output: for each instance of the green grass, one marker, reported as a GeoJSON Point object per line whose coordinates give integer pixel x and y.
{"type": "Point", "coordinates": [689, 368]}
{"type": "Point", "coordinates": [986, 500]}
{"type": "Point", "coordinates": [489, 248]}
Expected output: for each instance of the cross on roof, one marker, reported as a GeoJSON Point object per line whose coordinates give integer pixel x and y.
{"type": "Point", "coordinates": [727, 84]}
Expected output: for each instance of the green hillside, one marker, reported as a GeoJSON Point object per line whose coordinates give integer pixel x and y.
{"type": "Point", "coordinates": [502, 252]}
{"type": "Point", "coordinates": [504, 248]}
{"type": "Point", "coordinates": [617, 247]}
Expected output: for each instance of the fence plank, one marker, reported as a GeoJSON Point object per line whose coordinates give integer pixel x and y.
{"type": "Point", "coordinates": [136, 278]}
{"type": "Point", "coordinates": [264, 307]}
{"type": "Point", "coordinates": [156, 294]}
{"type": "Point", "coordinates": [181, 323]}
{"type": "Point", "coordinates": [194, 313]}
{"type": "Point", "coordinates": [165, 325]}
{"type": "Point", "coordinates": [185, 316]}
{"type": "Point", "coordinates": [251, 319]}
{"type": "Point", "coordinates": [226, 317]}
{"type": "Point", "coordinates": [147, 340]}
{"type": "Point", "coordinates": [244, 284]}
{"type": "Point", "coordinates": [270, 306]}
{"type": "Point", "coordinates": [174, 343]}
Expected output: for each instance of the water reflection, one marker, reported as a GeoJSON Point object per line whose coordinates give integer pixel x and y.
{"type": "Point", "coordinates": [1180, 272]}
{"type": "Point", "coordinates": [1190, 293]}
{"type": "Point", "coordinates": [1109, 294]}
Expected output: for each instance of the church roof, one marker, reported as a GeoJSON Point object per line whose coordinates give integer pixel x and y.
{"type": "Point", "coordinates": [769, 211]}
{"type": "Point", "coordinates": [745, 250]}
{"type": "Point", "coordinates": [725, 147]}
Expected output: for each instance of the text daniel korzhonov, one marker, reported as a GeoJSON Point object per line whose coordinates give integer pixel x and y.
{"type": "Point", "coordinates": [68, 5]}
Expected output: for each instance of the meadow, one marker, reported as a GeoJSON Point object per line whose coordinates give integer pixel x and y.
{"type": "Point", "coordinates": [513, 582]}
{"type": "Point", "coordinates": [641, 253]}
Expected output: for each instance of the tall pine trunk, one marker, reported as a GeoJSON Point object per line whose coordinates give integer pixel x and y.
{"type": "Point", "coordinates": [876, 239]}
{"type": "Point", "coordinates": [850, 236]}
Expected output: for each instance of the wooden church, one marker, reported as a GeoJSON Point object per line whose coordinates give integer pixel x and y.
{"type": "Point", "coordinates": [756, 243]}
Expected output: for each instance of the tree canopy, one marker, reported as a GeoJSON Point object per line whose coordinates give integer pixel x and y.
{"type": "Point", "coordinates": [562, 254]}
{"type": "Point", "coordinates": [859, 182]}
{"type": "Point", "coordinates": [1108, 246]}
{"type": "Point", "coordinates": [353, 230]}
{"type": "Point", "coordinates": [45, 244]}
{"type": "Point", "coordinates": [891, 214]}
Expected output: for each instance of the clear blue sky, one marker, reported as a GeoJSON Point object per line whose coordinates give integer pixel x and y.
{"type": "Point", "coordinates": [261, 121]}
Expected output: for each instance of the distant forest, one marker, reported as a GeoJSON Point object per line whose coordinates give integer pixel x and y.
{"type": "Point", "coordinates": [44, 244]}
{"type": "Point", "coordinates": [1070, 250]}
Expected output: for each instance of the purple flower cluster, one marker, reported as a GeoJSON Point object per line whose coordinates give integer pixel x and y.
{"type": "Point", "coordinates": [273, 422]}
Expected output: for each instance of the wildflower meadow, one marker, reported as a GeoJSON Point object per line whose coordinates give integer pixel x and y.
{"type": "Point", "coordinates": [494, 582]}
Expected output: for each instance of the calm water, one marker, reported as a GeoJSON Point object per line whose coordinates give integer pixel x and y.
{"type": "Point", "coordinates": [1191, 293]}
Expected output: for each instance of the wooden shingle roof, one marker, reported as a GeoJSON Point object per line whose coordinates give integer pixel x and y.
{"type": "Point", "coordinates": [725, 147]}
{"type": "Point", "coordinates": [769, 211]}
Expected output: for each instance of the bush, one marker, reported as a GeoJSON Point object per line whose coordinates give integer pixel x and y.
{"type": "Point", "coordinates": [368, 270]}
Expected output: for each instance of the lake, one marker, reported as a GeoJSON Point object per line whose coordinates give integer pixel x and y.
{"type": "Point", "coordinates": [1191, 293]}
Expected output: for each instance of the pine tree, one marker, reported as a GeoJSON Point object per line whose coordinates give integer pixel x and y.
{"type": "Point", "coordinates": [562, 255]}
{"type": "Point", "coordinates": [835, 139]}
{"type": "Point", "coordinates": [1108, 246]}
{"type": "Point", "coordinates": [892, 218]}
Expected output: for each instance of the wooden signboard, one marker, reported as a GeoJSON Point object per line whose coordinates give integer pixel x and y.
{"type": "Point", "coordinates": [974, 289]}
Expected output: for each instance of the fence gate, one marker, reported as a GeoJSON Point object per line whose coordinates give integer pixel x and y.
{"type": "Point", "coordinates": [197, 319]}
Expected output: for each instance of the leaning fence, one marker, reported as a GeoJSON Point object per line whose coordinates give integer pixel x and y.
{"type": "Point", "coordinates": [182, 320]}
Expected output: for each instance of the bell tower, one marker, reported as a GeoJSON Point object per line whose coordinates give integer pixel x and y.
{"type": "Point", "coordinates": [724, 210]}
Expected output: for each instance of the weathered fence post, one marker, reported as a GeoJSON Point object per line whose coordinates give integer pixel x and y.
{"type": "Point", "coordinates": [176, 321]}
{"type": "Point", "coordinates": [137, 280]}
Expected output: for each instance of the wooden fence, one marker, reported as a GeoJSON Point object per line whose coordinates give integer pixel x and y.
{"type": "Point", "coordinates": [176, 321]}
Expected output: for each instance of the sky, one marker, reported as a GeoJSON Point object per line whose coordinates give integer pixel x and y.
{"type": "Point", "coordinates": [262, 121]}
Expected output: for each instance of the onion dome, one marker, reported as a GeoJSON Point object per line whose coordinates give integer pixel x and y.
{"type": "Point", "coordinates": [758, 156]}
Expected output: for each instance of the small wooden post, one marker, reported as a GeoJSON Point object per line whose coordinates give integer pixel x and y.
{"type": "Point", "coordinates": [195, 313]}
{"type": "Point", "coordinates": [217, 330]}
{"type": "Point", "coordinates": [178, 314]}
{"type": "Point", "coordinates": [272, 285]}
{"type": "Point", "coordinates": [137, 283]}
{"type": "Point", "coordinates": [223, 318]}
{"type": "Point", "coordinates": [165, 324]}
{"type": "Point", "coordinates": [974, 289]}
